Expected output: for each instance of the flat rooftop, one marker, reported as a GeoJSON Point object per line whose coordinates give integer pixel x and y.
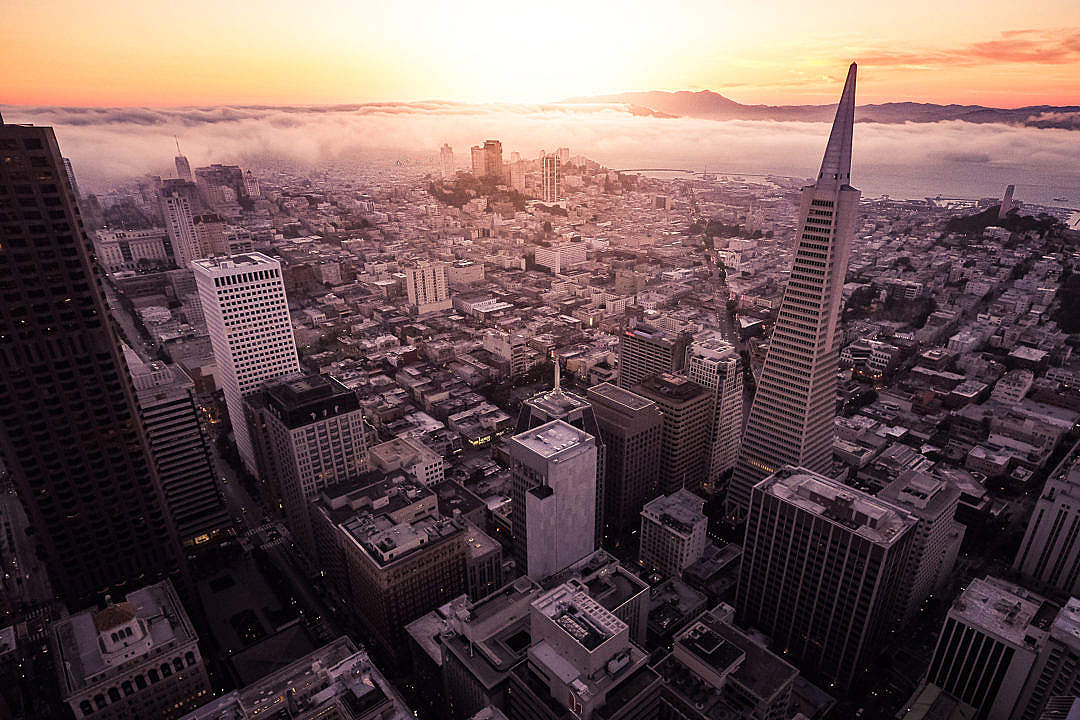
{"type": "Point", "coordinates": [579, 616]}
{"type": "Point", "coordinates": [669, 386]}
{"type": "Point", "coordinates": [552, 439]}
{"type": "Point", "coordinates": [234, 262]}
{"type": "Point", "coordinates": [620, 397]}
{"type": "Point", "coordinates": [682, 506]}
{"type": "Point", "coordinates": [1004, 609]}
{"type": "Point", "coordinates": [860, 512]}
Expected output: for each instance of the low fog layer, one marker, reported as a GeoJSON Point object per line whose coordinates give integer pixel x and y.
{"type": "Point", "coordinates": [953, 158]}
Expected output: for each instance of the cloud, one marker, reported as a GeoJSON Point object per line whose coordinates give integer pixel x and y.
{"type": "Point", "coordinates": [109, 146]}
{"type": "Point", "coordinates": [1066, 120]}
{"type": "Point", "coordinates": [1044, 47]}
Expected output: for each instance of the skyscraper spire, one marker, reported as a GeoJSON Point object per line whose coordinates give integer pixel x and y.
{"type": "Point", "coordinates": [791, 420]}
{"type": "Point", "coordinates": [836, 165]}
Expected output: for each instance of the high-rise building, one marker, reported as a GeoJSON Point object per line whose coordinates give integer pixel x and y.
{"type": "Point", "coordinates": [69, 430]}
{"type": "Point", "coordinates": [493, 160]}
{"type": "Point", "coordinates": [180, 226]}
{"type": "Point", "coordinates": [937, 536]}
{"type": "Point", "coordinates": [1050, 554]}
{"type": "Point", "coordinates": [134, 659]}
{"type": "Point", "coordinates": [1006, 202]}
{"type": "Point", "coordinates": [714, 364]}
{"type": "Point", "coordinates": [70, 172]}
{"type": "Point", "coordinates": [551, 179]}
{"type": "Point", "coordinates": [553, 470]}
{"type": "Point", "coordinates": [557, 404]}
{"type": "Point", "coordinates": [183, 168]}
{"type": "Point", "coordinates": [314, 427]}
{"type": "Point", "coordinates": [791, 418]}
{"type": "Point", "coordinates": [631, 428]}
{"type": "Point", "coordinates": [446, 161]}
{"type": "Point", "coordinates": [427, 288]}
{"type": "Point", "coordinates": [477, 161]}
{"type": "Point", "coordinates": [645, 351]}
{"type": "Point", "coordinates": [821, 571]}
{"type": "Point", "coordinates": [988, 646]}
{"type": "Point", "coordinates": [180, 449]}
{"type": "Point", "coordinates": [1057, 668]}
{"type": "Point", "coordinates": [247, 316]}
{"type": "Point", "coordinates": [686, 410]}
{"type": "Point", "coordinates": [673, 531]}
{"type": "Point", "coordinates": [252, 189]}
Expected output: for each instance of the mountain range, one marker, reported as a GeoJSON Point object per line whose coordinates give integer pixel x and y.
{"type": "Point", "coordinates": [713, 106]}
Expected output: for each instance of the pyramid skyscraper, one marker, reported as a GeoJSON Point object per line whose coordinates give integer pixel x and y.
{"type": "Point", "coordinates": [791, 419]}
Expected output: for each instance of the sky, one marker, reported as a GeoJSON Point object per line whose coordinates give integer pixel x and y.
{"type": "Point", "coordinates": [121, 53]}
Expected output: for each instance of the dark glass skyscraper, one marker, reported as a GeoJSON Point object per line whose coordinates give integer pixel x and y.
{"type": "Point", "coordinates": [69, 432]}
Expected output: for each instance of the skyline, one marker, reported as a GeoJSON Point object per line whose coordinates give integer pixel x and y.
{"type": "Point", "coordinates": [332, 52]}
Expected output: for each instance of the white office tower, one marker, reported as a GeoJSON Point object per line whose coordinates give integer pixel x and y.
{"type": "Point", "coordinates": [180, 225]}
{"type": "Point", "coordinates": [446, 161]}
{"type": "Point", "coordinates": [551, 178]}
{"type": "Point", "coordinates": [247, 316]}
{"type": "Point", "coordinates": [791, 419]}
{"type": "Point", "coordinates": [426, 285]}
{"type": "Point", "coordinates": [554, 465]}
{"type": "Point", "coordinates": [713, 363]}
{"type": "Point", "coordinates": [1050, 553]}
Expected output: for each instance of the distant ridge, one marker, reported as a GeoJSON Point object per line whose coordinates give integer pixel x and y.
{"type": "Point", "coordinates": [714, 106]}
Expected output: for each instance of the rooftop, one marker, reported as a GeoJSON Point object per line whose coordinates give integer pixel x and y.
{"type": "Point", "coordinates": [619, 397]}
{"type": "Point", "coordinates": [579, 616]}
{"type": "Point", "coordinates": [230, 263]}
{"type": "Point", "coordinates": [552, 439]}
{"type": "Point", "coordinates": [669, 386]}
{"type": "Point", "coordinates": [864, 514]}
{"type": "Point", "coordinates": [1006, 610]}
{"type": "Point", "coordinates": [681, 509]}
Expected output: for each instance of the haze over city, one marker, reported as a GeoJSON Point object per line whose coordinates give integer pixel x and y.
{"type": "Point", "coordinates": [573, 361]}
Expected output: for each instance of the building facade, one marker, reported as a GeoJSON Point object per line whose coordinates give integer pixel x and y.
{"type": "Point", "coordinates": [1050, 554]}
{"type": "Point", "coordinates": [791, 418]}
{"type": "Point", "coordinates": [553, 470]}
{"type": "Point", "coordinates": [247, 317]}
{"type": "Point", "coordinates": [821, 571]}
{"type": "Point", "coordinates": [426, 285]}
{"type": "Point", "coordinates": [686, 410]}
{"type": "Point", "coordinates": [134, 659]}
{"type": "Point", "coordinates": [69, 428]}
{"type": "Point", "coordinates": [645, 351]}
{"type": "Point", "coordinates": [550, 178]}
{"type": "Point", "coordinates": [673, 533]}
{"type": "Point", "coordinates": [631, 428]}
{"type": "Point", "coordinates": [714, 364]}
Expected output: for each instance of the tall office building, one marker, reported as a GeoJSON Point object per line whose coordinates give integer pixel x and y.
{"type": "Point", "coordinates": [554, 474]}
{"type": "Point", "coordinates": [493, 160]}
{"type": "Point", "coordinates": [1057, 668]}
{"type": "Point", "coordinates": [791, 419]}
{"type": "Point", "coordinates": [477, 161]}
{"type": "Point", "coordinates": [180, 226]}
{"type": "Point", "coordinates": [686, 410]}
{"type": "Point", "coordinates": [821, 571]}
{"type": "Point", "coordinates": [314, 427]}
{"type": "Point", "coordinates": [937, 537]}
{"type": "Point", "coordinates": [70, 172]}
{"type": "Point", "coordinates": [425, 283]}
{"type": "Point", "coordinates": [992, 636]}
{"type": "Point", "coordinates": [1050, 554]}
{"type": "Point", "coordinates": [247, 317]}
{"type": "Point", "coordinates": [446, 161]}
{"type": "Point", "coordinates": [180, 449]}
{"type": "Point", "coordinates": [645, 351]}
{"type": "Point", "coordinates": [183, 167]}
{"type": "Point", "coordinates": [631, 427]}
{"type": "Point", "coordinates": [551, 178]}
{"type": "Point", "coordinates": [69, 430]}
{"type": "Point", "coordinates": [714, 364]}
{"type": "Point", "coordinates": [556, 404]}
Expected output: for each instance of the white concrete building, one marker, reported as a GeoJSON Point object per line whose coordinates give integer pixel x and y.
{"type": "Point", "coordinates": [128, 249]}
{"type": "Point", "coordinates": [426, 285]}
{"type": "Point", "coordinates": [180, 225]}
{"type": "Point", "coordinates": [561, 257]}
{"type": "Point", "coordinates": [247, 317]}
{"type": "Point", "coordinates": [554, 467]}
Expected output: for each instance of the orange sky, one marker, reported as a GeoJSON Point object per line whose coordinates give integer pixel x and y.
{"type": "Point", "coordinates": [121, 52]}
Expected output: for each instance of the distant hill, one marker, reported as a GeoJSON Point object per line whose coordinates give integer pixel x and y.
{"type": "Point", "coordinates": [710, 105]}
